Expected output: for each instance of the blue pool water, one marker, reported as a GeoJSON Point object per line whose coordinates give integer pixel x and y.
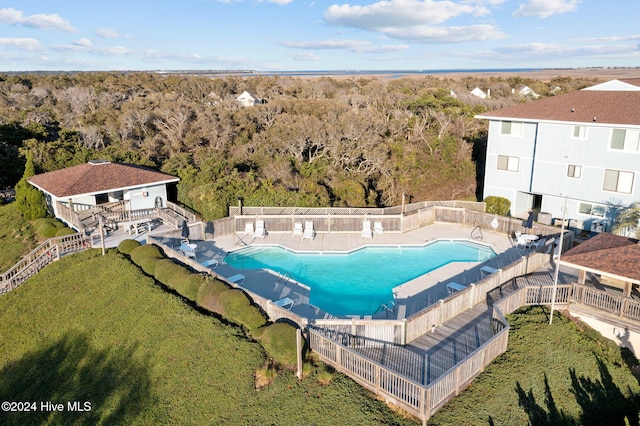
{"type": "Point", "coordinates": [357, 283]}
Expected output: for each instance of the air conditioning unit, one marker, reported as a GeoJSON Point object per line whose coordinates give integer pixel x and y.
{"type": "Point", "coordinates": [599, 225]}
{"type": "Point", "coordinates": [544, 218]}
{"type": "Point", "coordinates": [577, 224]}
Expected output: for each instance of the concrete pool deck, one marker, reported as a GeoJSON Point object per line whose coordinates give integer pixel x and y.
{"type": "Point", "coordinates": [410, 297]}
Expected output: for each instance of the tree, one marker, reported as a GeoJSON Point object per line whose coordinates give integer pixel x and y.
{"type": "Point", "coordinates": [628, 219]}
{"type": "Point", "coordinates": [30, 201]}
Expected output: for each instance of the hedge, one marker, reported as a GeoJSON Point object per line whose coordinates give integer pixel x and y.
{"type": "Point", "coordinates": [208, 294]}
{"type": "Point", "coordinates": [127, 246]}
{"type": "Point", "coordinates": [237, 307]}
{"type": "Point", "coordinates": [145, 251]}
{"type": "Point", "coordinates": [497, 205]}
{"type": "Point", "coordinates": [47, 227]}
{"type": "Point", "coordinates": [279, 341]}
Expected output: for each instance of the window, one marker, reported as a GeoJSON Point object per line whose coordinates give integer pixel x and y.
{"type": "Point", "coordinates": [592, 209]}
{"type": "Point", "coordinates": [618, 181]}
{"type": "Point", "coordinates": [625, 140]}
{"type": "Point", "coordinates": [512, 128]}
{"type": "Point", "coordinates": [508, 163]}
{"type": "Point", "coordinates": [579, 132]}
{"type": "Point", "coordinates": [574, 171]}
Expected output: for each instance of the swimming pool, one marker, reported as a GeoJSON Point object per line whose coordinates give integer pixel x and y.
{"type": "Point", "coordinates": [357, 283]}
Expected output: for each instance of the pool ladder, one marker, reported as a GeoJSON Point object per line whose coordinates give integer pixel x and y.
{"type": "Point", "coordinates": [390, 306]}
{"type": "Point", "coordinates": [283, 277]}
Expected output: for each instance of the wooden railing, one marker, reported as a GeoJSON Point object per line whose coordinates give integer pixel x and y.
{"type": "Point", "coordinates": [416, 398]}
{"type": "Point", "coordinates": [38, 258]}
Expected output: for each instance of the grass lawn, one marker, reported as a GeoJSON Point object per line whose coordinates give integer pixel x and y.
{"type": "Point", "coordinates": [16, 236]}
{"type": "Point", "coordinates": [93, 328]}
{"type": "Point", "coordinates": [560, 374]}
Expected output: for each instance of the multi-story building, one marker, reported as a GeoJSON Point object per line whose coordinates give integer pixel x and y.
{"type": "Point", "coordinates": [580, 149]}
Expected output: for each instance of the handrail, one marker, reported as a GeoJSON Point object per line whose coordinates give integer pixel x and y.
{"type": "Point", "coordinates": [47, 252]}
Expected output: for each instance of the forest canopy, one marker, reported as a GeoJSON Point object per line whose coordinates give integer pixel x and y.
{"type": "Point", "coordinates": [310, 142]}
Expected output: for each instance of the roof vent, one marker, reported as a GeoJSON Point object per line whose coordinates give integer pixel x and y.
{"type": "Point", "coordinates": [98, 162]}
{"type": "Point", "coordinates": [594, 119]}
{"type": "Point", "coordinates": [573, 110]}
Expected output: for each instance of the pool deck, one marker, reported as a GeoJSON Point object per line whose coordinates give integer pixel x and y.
{"type": "Point", "coordinates": [410, 297]}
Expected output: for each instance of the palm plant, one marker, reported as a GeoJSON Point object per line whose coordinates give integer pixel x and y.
{"type": "Point", "coordinates": [628, 218]}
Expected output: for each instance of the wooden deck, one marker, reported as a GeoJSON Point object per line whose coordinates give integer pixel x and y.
{"type": "Point", "coordinates": [430, 356]}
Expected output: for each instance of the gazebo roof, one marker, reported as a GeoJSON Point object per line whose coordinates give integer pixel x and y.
{"type": "Point", "coordinates": [96, 177]}
{"type": "Point", "coordinates": [607, 254]}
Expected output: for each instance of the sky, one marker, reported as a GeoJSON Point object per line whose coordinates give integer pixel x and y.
{"type": "Point", "coordinates": [305, 35]}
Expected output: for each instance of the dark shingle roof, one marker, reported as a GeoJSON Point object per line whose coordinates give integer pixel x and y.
{"type": "Point", "coordinates": [608, 253]}
{"type": "Point", "coordinates": [96, 177]}
{"type": "Point", "coordinates": [580, 106]}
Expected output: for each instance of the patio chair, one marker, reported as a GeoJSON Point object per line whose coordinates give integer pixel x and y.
{"type": "Point", "coordinates": [285, 303]}
{"type": "Point", "coordinates": [309, 232]}
{"type": "Point", "coordinates": [211, 263]}
{"type": "Point", "coordinates": [248, 228]}
{"type": "Point", "coordinates": [366, 229]}
{"type": "Point", "coordinates": [260, 231]}
{"type": "Point", "coordinates": [188, 249]}
{"type": "Point", "coordinates": [377, 228]}
{"type": "Point", "coordinates": [236, 279]}
{"type": "Point", "coordinates": [297, 228]}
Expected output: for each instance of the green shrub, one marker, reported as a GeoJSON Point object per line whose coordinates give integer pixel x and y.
{"type": "Point", "coordinates": [279, 340]}
{"type": "Point", "coordinates": [187, 284]}
{"type": "Point", "coordinates": [145, 251]}
{"type": "Point", "coordinates": [497, 205]}
{"type": "Point", "coordinates": [208, 294]}
{"type": "Point", "coordinates": [167, 269]}
{"type": "Point", "coordinates": [48, 227]}
{"type": "Point", "coordinates": [65, 231]}
{"type": "Point", "coordinates": [148, 265]}
{"type": "Point", "coordinates": [127, 246]}
{"type": "Point", "coordinates": [236, 306]}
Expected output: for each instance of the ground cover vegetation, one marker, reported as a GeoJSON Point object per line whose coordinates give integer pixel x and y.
{"type": "Point", "coordinates": [96, 329]}
{"type": "Point", "coordinates": [562, 374]}
{"type": "Point", "coordinates": [314, 142]}
{"type": "Point", "coordinates": [100, 329]}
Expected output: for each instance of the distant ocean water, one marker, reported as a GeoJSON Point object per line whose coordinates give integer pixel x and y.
{"type": "Point", "coordinates": [388, 73]}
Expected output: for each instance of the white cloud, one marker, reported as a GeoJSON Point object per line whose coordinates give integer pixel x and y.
{"type": "Point", "coordinates": [362, 46]}
{"type": "Point", "coordinates": [84, 42]}
{"type": "Point", "coordinates": [108, 33]}
{"type": "Point", "coordinates": [44, 22]}
{"type": "Point", "coordinates": [546, 8]}
{"type": "Point", "coordinates": [427, 34]}
{"type": "Point", "coordinates": [305, 56]}
{"type": "Point", "coordinates": [280, 2]}
{"type": "Point", "coordinates": [20, 43]}
{"type": "Point", "coordinates": [384, 14]}
{"type": "Point", "coordinates": [416, 20]}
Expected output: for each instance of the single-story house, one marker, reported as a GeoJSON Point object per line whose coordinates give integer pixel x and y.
{"type": "Point", "coordinates": [98, 182]}
{"type": "Point", "coordinates": [247, 99]}
{"type": "Point", "coordinates": [614, 258]}
{"type": "Point", "coordinates": [479, 93]}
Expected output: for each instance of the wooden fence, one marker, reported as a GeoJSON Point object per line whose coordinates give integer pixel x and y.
{"type": "Point", "coordinates": [41, 256]}
{"type": "Point", "coordinates": [416, 398]}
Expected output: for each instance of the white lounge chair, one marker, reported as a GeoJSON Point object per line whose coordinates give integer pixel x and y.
{"type": "Point", "coordinates": [248, 228]}
{"type": "Point", "coordinates": [211, 263]}
{"type": "Point", "coordinates": [260, 231]}
{"type": "Point", "coordinates": [285, 303]}
{"type": "Point", "coordinates": [297, 228]}
{"type": "Point", "coordinates": [309, 232]}
{"type": "Point", "coordinates": [377, 228]}
{"type": "Point", "coordinates": [188, 249]}
{"type": "Point", "coordinates": [237, 279]}
{"type": "Point", "coordinates": [366, 229]}
{"type": "Point", "coordinates": [454, 287]}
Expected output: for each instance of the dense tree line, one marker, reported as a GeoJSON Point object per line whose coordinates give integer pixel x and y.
{"type": "Point", "coordinates": [314, 142]}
